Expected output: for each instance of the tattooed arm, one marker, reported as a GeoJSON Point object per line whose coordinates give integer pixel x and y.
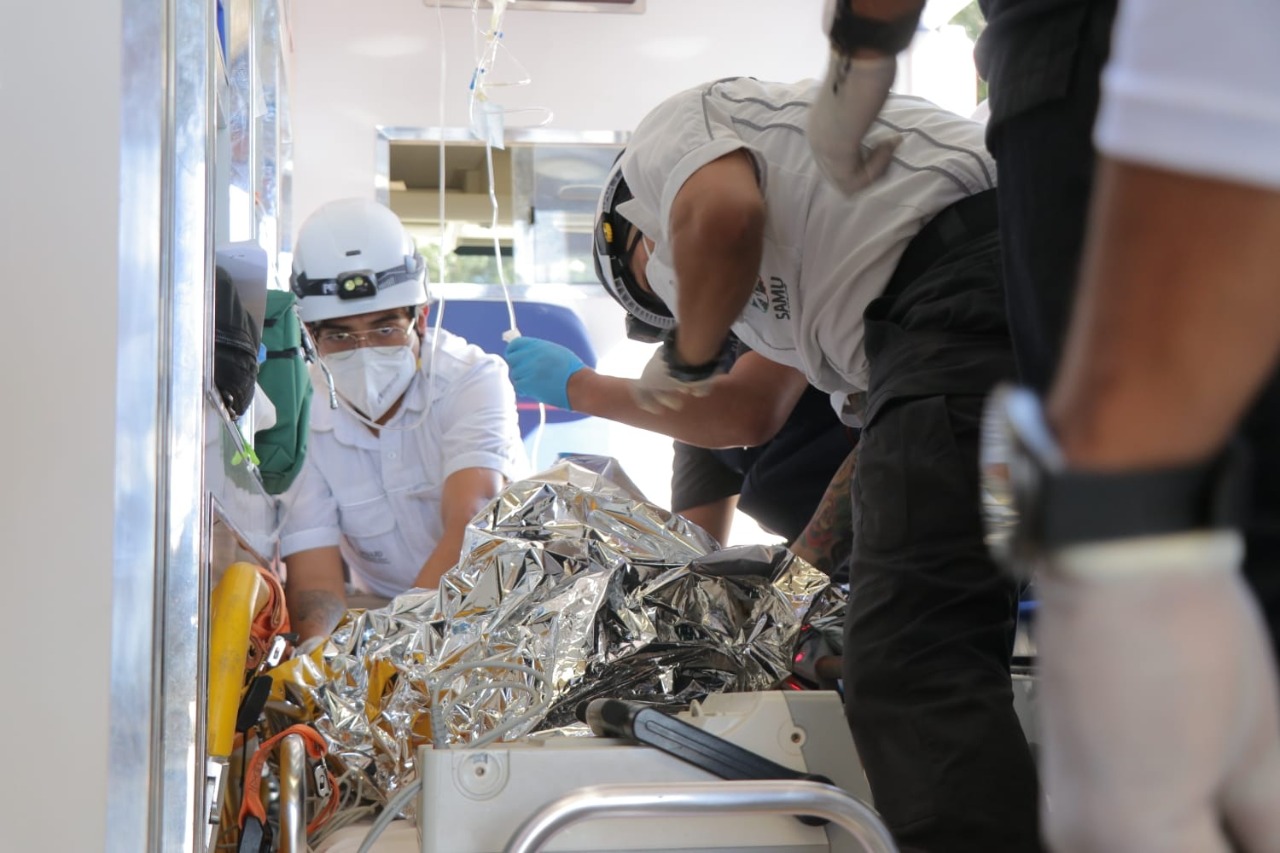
{"type": "Point", "coordinates": [827, 539]}
{"type": "Point", "coordinates": [314, 591]}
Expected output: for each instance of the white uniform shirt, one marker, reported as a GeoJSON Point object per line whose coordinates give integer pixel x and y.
{"type": "Point", "coordinates": [377, 497]}
{"type": "Point", "coordinates": [1195, 87]}
{"type": "Point", "coordinates": [826, 256]}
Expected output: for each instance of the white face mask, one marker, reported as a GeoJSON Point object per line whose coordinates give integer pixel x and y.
{"type": "Point", "coordinates": [372, 379]}
{"type": "Point", "coordinates": [662, 280]}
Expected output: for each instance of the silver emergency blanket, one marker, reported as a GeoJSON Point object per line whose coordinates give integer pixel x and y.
{"type": "Point", "coordinates": [571, 586]}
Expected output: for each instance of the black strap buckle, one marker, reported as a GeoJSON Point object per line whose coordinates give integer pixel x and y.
{"type": "Point", "coordinates": [682, 371]}
{"type": "Point", "coordinates": [851, 32]}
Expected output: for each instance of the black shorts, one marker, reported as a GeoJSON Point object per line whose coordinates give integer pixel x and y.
{"type": "Point", "coordinates": [699, 476]}
{"type": "Point", "coordinates": [781, 482]}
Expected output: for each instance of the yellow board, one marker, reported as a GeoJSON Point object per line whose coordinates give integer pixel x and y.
{"type": "Point", "coordinates": [236, 600]}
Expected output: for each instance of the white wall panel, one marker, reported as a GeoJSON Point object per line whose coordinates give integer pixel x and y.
{"type": "Point", "coordinates": [59, 170]}
{"type": "Point", "coordinates": [377, 62]}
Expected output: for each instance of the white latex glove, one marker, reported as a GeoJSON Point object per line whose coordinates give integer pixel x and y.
{"type": "Point", "coordinates": [657, 390]}
{"type": "Point", "coordinates": [1159, 700]}
{"type": "Point", "coordinates": [847, 103]}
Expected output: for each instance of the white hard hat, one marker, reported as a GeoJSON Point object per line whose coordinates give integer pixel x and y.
{"type": "Point", "coordinates": [353, 256]}
{"type": "Point", "coordinates": [648, 318]}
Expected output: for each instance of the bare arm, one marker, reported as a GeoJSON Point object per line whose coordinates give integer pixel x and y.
{"type": "Point", "coordinates": [716, 517]}
{"type": "Point", "coordinates": [717, 239]}
{"type": "Point", "coordinates": [886, 10]}
{"type": "Point", "coordinates": [1177, 324]}
{"type": "Point", "coordinates": [827, 540]}
{"type": "Point", "coordinates": [744, 407]}
{"type": "Point", "coordinates": [466, 491]}
{"type": "Point", "coordinates": [314, 591]}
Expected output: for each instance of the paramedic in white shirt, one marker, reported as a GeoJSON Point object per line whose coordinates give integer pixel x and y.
{"type": "Point", "coordinates": [424, 433]}
{"type": "Point", "coordinates": [1161, 730]}
{"type": "Point", "coordinates": [716, 217]}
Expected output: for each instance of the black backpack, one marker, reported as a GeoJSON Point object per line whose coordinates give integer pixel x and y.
{"type": "Point", "coordinates": [284, 378]}
{"type": "Point", "coordinates": [235, 346]}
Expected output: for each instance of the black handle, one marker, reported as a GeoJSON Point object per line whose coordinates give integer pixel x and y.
{"type": "Point", "coordinates": [651, 727]}
{"type": "Point", "coordinates": [255, 699]}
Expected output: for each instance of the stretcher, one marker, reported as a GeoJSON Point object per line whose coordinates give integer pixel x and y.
{"type": "Point", "coordinates": [477, 800]}
{"type": "Point", "coordinates": [608, 793]}
{"type": "Point", "coordinates": [735, 771]}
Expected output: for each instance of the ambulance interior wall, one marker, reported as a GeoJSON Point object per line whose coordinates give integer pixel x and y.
{"type": "Point", "coordinates": [361, 65]}
{"type": "Point", "coordinates": [377, 63]}
{"type": "Point", "coordinates": [60, 81]}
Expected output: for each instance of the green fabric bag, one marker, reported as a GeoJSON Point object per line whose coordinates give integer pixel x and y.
{"type": "Point", "coordinates": [283, 376]}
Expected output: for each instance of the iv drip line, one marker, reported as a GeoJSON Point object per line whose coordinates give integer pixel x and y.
{"type": "Point", "coordinates": [477, 89]}
{"type": "Point", "coordinates": [334, 398]}
{"type": "Point", "coordinates": [486, 59]}
{"type": "Point", "coordinates": [479, 85]}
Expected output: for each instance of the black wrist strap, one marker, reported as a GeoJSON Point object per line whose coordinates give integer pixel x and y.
{"type": "Point", "coordinates": [1206, 495]}
{"type": "Point", "coordinates": [682, 371]}
{"type": "Point", "coordinates": [851, 32]}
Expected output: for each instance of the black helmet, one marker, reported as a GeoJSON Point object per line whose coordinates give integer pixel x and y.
{"type": "Point", "coordinates": [648, 318]}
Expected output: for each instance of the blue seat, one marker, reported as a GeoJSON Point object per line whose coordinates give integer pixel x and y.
{"type": "Point", "coordinates": [483, 321]}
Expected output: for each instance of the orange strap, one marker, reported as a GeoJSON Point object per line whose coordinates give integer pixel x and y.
{"type": "Point", "coordinates": [251, 802]}
{"type": "Point", "coordinates": [271, 620]}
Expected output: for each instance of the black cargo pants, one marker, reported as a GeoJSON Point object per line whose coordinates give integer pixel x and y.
{"type": "Point", "coordinates": [930, 621]}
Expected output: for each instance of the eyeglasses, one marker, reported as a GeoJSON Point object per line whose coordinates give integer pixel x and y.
{"type": "Point", "coordinates": [339, 341]}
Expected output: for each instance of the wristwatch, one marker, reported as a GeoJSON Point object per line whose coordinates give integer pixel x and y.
{"type": "Point", "coordinates": [1034, 503]}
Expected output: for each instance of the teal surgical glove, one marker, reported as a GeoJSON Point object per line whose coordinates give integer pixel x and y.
{"type": "Point", "coordinates": [541, 370]}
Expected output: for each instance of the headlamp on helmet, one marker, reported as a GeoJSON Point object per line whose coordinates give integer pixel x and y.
{"type": "Point", "coordinates": [360, 284]}
{"type": "Point", "coordinates": [353, 256]}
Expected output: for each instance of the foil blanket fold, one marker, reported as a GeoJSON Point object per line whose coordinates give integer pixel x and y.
{"type": "Point", "coordinates": [571, 586]}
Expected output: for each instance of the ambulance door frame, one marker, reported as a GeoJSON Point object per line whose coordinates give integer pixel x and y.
{"type": "Point", "coordinates": [155, 785]}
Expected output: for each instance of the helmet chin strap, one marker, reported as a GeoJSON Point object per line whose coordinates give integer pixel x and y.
{"type": "Point", "coordinates": [358, 415]}
{"type": "Point", "coordinates": [313, 354]}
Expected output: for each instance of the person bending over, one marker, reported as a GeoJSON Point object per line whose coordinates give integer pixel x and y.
{"type": "Point", "coordinates": [717, 218]}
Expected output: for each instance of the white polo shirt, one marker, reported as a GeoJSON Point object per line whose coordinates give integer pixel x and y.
{"type": "Point", "coordinates": [377, 497]}
{"type": "Point", "coordinates": [1195, 87]}
{"type": "Point", "coordinates": [826, 256]}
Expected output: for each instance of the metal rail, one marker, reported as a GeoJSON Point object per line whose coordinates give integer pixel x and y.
{"type": "Point", "coordinates": [293, 795]}
{"type": "Point", "coordinates": [703, 798]}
